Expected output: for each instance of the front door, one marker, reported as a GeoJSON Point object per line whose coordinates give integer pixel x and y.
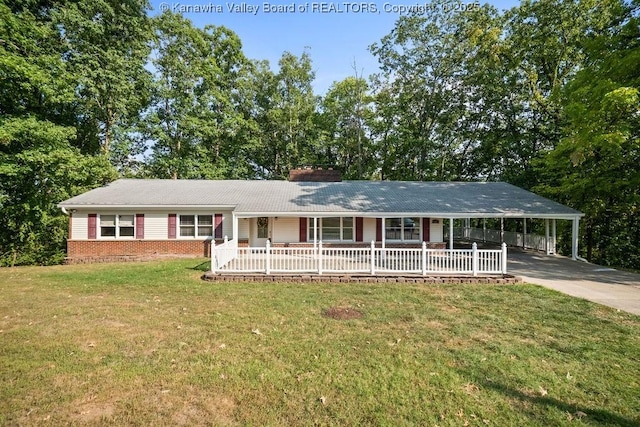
{"type": "Point", "coordinates": [260, 231]}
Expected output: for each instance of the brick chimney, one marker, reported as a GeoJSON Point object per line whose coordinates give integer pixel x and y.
{"type": "Point", "coordinates": [318, 174]}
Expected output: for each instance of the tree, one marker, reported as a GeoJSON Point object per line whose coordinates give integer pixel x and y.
{"type": "Point", "coordinates": [544, 50]}
{"type": "Point", "coordinates": [39, 163]}
{"type": "Point", "coordinates": [106, 47]}
{"type": "Point", "coordinates": [422, 100]}
{"type": "Point", "coordinates": [285, 114]}
{"type": "Point", "coordinates": [595, 166]}
{"type": "Point", "coordinates": [199, 111]}
{"type": "Point", "coordinates": [345, 111]}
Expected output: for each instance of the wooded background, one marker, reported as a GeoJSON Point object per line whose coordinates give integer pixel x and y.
{"type": "Point", "coordinates": [544, 96]}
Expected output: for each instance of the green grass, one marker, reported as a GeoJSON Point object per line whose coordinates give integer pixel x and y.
{"type": "Point", "coordinates": [152, 344]}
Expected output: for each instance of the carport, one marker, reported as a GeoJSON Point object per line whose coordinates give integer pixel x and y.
{"type": "Point", "coordinates": [525, 239]}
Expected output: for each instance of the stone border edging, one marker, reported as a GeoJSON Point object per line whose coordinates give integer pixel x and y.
{"type": "Point", "coordinates": [307, 278]}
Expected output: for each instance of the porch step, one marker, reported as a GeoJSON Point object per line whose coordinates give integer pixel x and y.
{"type": "Point", "coordinates": [361, 278]}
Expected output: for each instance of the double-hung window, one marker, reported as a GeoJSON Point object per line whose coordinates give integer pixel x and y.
{"type": "Point", "coordinates": [117, 226]}
{"type": "Point", "coordinates": [196, 225]}
{"type": "Point", "coordinates": [402, 229]}
{"type": "Point", "coordinates": [332, 229]}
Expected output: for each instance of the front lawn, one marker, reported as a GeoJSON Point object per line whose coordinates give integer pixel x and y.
{"type": "Point", "coordinates": [152, 344]}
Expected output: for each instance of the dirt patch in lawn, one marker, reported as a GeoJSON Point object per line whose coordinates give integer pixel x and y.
{"type": "Point", "coordinates": [342, 313]}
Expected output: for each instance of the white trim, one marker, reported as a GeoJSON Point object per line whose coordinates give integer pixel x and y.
{"type": "Point", "coordinates": [91, 208]}
{"type": "Point", "coordinates": [575, 234]}
{"type": "Point", "coordinates": [317, 229]}
{"type": "Point", "coordinates": [402, 228]}
{"type": "Point", "coordinates": [216, 208]}
{"type": "Point", "coordinates": [457, 215]}
{"type": "Point", "coordinates": [195, 226]}
{"type": "Point", "coordinates": [116, 225]}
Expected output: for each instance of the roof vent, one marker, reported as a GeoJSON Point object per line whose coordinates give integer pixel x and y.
{"type": "Point", "coordinates": [315, 174]}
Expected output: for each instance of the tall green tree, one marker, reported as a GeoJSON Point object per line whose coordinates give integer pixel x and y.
{"type": "Point", "coordinates": [421, 96]}
{"type": "Point", "coordinates": [198, 116]}
{"type": "Point", "coordinates": [40, 163]}
{"type": "Point", "coordinates": [285, 114]}
{"type": "Point", "coordinates": [344, 117]}
{"type": "Point", "coordinates": [544, 50]}
{"type": "Point", "coordinates": [106, 47]}
{"type": "Point", "coordinates": [595, 167]}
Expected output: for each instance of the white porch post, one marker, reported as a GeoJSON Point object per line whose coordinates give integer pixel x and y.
{"type": "Point", "coordinates": [524, 233]}
{"type": "Point", "coordinates": [484, 230]}
{"type": "Point", "coordinates": [474, 259]}
{"type": "Point", "coordinates": [450, 233]}
{"type": "Point", "coordinates": [553, 236]}
{"type": "Point", "coordinates": [315, 232]}
{"type": "Point", "coordinates": [234, 231]}
{"type": "Point", "coordinates": [213, 256]}
{"type": "Point", "coordinates": [504, 258]}
{"type": "Point", "coordinates": [501, 230]}
{"type": "Point", "coordinates": [384, 243]}
{"type": "Point", "coordinates": [268, 257]}
{"type": "Point", "coordinates": [547, 247]}
{"type": "Point", "coordinates": [320, 257]}
{"type": "Point", "coordinates": [373, 257]}
{"type": "Point", "coordinates": [574, 238]}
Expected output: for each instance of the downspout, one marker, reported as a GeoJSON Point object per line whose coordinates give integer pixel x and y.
{"type": "Point", "coordinates": [64, 211]}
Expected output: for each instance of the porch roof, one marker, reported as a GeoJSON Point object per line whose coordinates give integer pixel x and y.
{"type": "Point", "coordinates": [362, 198]}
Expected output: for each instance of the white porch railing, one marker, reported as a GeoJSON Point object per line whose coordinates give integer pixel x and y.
{"type": "Point", "coordinates": [232, 259]}
{"type": "Point", "coordinates": [511, 238]}
{"type": "Point", "coordinates": [223, 254]}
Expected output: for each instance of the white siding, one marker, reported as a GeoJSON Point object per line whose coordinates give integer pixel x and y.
{"type": "Point", "coordinates": [286, 230]}
{"type": "Point", "coordinates": [227, 224]}
{"type": "Point", "coordinates": [243, 228]}
{"type": "Point", "coordinates": [368, 229]}
{"type": "Point", "coordinates": [79, 226]}
{"type": "Point", "coordinates": [435, 232]}
{"type": "Point", "coordinates": [156, 226]}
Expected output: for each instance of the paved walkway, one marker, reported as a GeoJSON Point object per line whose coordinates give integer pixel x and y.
{"type": "Point", "coordinates": [614, 288]}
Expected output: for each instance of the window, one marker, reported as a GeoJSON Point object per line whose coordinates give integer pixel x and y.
{"type": "Point", "coordinates": [196, 225]}
{"type": "Point", "coordinates": [117, 226]}
{"type": "Point", "coordinates": [107, 225]}
{"type": "Point", "coordinates": [347, 229]}
{"type": "Point", "coordinates": [187, 225]}
{"type": "Point", "coordinates": [205, 225]}
{"type": "Point", "coordinates": [402, 229]}
{"type": "Point", "coordinates": [126, 225]}
{"type": "Point", "coordinates": [334, 228]}
{"type": "Point", "coordinates": [263, 227]}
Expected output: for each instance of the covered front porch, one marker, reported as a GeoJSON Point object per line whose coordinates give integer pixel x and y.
{"type": "Point", "coordinates": [399, 244]}
{"type": "Point", "coordinates": [372, 260]}
{"type": "Point", "coordinates": [353, 229]}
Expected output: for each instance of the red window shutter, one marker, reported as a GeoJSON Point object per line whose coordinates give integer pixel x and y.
{"type": "Point", "coordinates": [172, 226]}
{"type": "Point", "coordinates": [139, 226]}
{"type": "Point", "coordinates": [92, 231]}
{"type": "Point", "coordinates": [378, 229]}
{"type": "Point", "coordinates": [426, 229]}
{"type": "Point", "coordinates": [359, 229]}
{"type": "Point", "coordinates": [303, 230]}
{"type": "Point", "coordinates": [218, 223]}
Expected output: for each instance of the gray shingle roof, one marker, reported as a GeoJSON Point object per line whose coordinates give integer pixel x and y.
{"type": "Point", "coordinates": [490, 199]}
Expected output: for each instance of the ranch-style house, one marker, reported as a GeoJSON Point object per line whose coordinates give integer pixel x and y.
{"type": "Point", "coordinates": [313, 222]}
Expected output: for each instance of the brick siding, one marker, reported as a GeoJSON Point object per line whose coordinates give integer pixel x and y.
{"type": "Point", "coordinates": [106, 248]}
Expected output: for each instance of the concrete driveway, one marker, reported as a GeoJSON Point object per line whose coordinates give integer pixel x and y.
{"type": "Point", "coordinates": [614, 288]}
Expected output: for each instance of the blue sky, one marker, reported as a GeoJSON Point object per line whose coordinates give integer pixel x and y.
{"type": "Point", "coordinates": [336, 34]}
